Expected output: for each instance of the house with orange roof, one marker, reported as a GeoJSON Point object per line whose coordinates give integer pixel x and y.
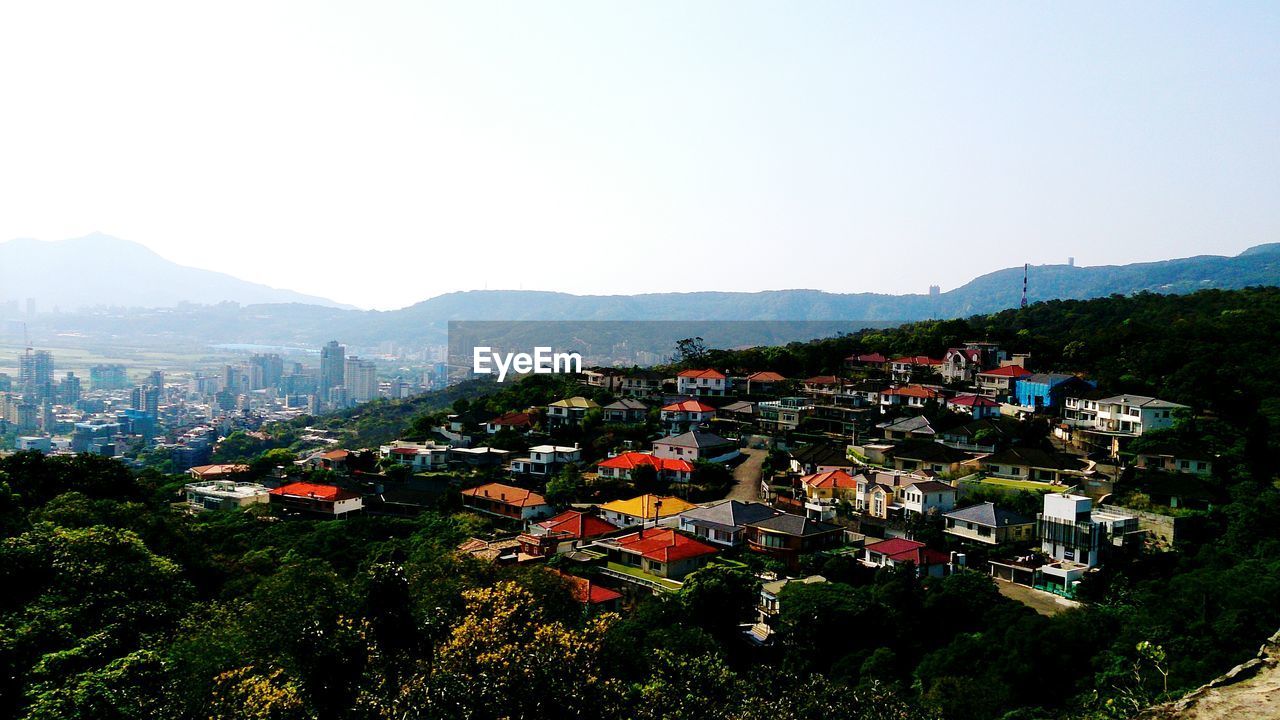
{"type": "Point", "coordinates": [824, 491]}
{"type": "Point", "coordinates": [764, 382]}
{"type": "Point", "coordinates": [685, 415]}
{"type": "Point", "coordinates": [663, 552]}
{"type": "Point", "coordinates": [315, 499]}
{"type": "Point", "coordinates": [913, 397]}
{"type": "Point", "coordinates": [702, 383]}
{"type": "Point", "coordinates": [506, 501]}
{"type": "Point", "coordinates": [564, 532]}
{"type": "Point", "coordinates": [620, 467]}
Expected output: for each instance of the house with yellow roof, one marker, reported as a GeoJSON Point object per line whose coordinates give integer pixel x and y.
{"type": "Point", "coordinates": [569, 411]}
{"type": "Point", "coordinates": [645, 509]}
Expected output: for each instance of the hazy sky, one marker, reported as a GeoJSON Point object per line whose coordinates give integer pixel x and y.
{"type": "Point", "coordinates": [381, 153]}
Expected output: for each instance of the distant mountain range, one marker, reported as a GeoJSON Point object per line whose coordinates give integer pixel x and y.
{"type": "Point", "coordinates": [145, 279]}
{"type": "Point", "coordinates": [102, 270]}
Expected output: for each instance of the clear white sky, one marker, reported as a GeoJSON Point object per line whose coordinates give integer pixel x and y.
{"type": "Point", "coordinates": [379, 153]}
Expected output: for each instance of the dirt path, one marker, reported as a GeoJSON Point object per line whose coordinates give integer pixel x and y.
{"type": "Point", "coordinates": [746, 477]}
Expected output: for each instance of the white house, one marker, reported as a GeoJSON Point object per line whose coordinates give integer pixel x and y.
{"type": "Point", "coordinates": [1134, 414]}
{"type": "Point", "coordinates": [545, 460]}
{"type": "Point", "coordinates": [421, 456]}
{"type": "Point", "coordinates": [702, 382]}
{"type": "Point", "coordinates": [925, 496]}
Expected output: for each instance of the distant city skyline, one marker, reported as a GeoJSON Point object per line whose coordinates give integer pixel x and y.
{"type": "Point", "coordinates": [380, 156]}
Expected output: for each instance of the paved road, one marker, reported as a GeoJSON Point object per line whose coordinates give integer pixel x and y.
{"type": "Point", "coordinates": [1045, 603]}
{"type": "Point", "coordinates": [746, 477]}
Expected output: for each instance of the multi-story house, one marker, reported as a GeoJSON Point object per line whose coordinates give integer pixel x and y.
{"type": "Point", "coordinates": [569, 412]}
{"type": "Point", "coordinates": [1048, 390]}
{"type": "Point", "coordinates": [976, 405]}
{"type": "Point", "coordinates": [421, 456]}
{"type": "Point", "coordinates": [685, 415]}
{"type": "Point", "coordinates": [999, 383]}
{"type": "Point", "coordinates": [723, 523]}
{"type": "Point", "coordinates": [913, 397]}
{"type": "Point", "coordinates": [704, 383]}
{"type": "Point", "coordinates": [1134, 414]}
{"type": "Point", "coordinates": [783, 414]}
{"type": "Point", "coordinates": [545, 460]}
{"type": "Point", "coordinates": [924, 497]}
{"type": "Point", "coordinates": [785, 536]}
{"type": "Point", "coordinates": [641, 383]}
{"type": "Point", "coordinates": [913, 367]}
{"type": "Point", "coordinates": [626, 410]}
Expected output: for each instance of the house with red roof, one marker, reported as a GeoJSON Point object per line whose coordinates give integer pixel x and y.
{"type": "Point", "coordinates": [563, 533]}
{"type": "Point", "coordinates": [685, 415]}
{"type": "Point", "coordinates": [521, 422]}
{"type": "Point", "coordinates": [979, 406]}
{"type": "Point", "coordinates": [663, 552]}
{"type": "Point", "coordinates": [913, 367]}
{"type": "Point", "coordinates": [591, 594]}
{"type": "Point", "coordinates": [421, 456]}
{"type": "Point", "coordinates": [506, 501]}
{"type": "Point", "coordinates": [900, 551]}
{"type": "Point", "coordinates": [1000, 382]}
{"type": "Point", "coordinates": [868, 360]}
{"type": "Point", "coordinates": [620, 467]}
{"type": "Point", "coordinates": [702, 383]}
{"type": "Point", "coordinates": [315, 499]}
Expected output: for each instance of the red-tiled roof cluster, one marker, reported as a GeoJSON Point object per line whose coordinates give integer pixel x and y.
{"type": "Point", "coordinates": [664, 545]}
{"type": "Point", "coordinates": [506, 494]}
{"type": "Point", "coordinates": [577, 525]}
{"type": "Point", "coordinates": [314, 491]}
{"type": "Point", "coordinates": [765, 376]}
{"type": "Point", "coordinates": [632, 460]}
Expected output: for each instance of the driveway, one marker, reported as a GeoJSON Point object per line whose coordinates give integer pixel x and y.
{"type": "Point", "coordinates": [1045, 603]}
{"type": "Point", "coordinates": [746, 476]}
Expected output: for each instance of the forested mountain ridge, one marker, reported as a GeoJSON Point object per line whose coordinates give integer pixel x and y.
{"type": "Point", "coordinates": [427, 321]}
